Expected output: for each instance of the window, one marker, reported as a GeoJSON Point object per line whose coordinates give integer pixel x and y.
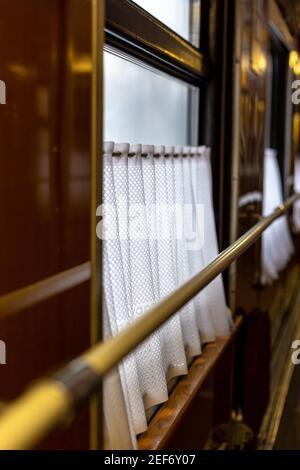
{"type": "Point", "coordinates": [153, 82]}
{"type": "Point", "coordinates": [183, 16]}
{"type": "Point", "coordinates": [278, 121]}
{"type": "Point", "coordinates": [158, 76]}
{"type": "Point", "coordinates": [147, 106]}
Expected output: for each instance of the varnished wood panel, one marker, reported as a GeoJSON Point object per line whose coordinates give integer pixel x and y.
{"type": "Point", "coordinates": [45, 141]}
{"type": "Point", "coordinates": [258, 342]}
{"type": "Point", "coordinates": [252, 139]}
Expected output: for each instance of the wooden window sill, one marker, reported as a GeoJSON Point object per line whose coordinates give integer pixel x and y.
{"type": "Point", "coordinates": [167, 418]}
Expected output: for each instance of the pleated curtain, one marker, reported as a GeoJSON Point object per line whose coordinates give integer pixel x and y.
{"type": "Point", "coordinates": [277, 245]}
{"type": "Point", "coordinates": [158, 231]}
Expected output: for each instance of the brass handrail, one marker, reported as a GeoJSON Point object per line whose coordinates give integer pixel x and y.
{"type": "Point", "coordinates": [34, 294]}
{"type": "Point", "coordinates": [30, 418]}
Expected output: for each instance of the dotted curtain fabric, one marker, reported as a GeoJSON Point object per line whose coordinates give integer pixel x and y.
{"type": "Point", "coordinates": [158, 231]}
{"type": "Point", "coordinates": [277, 245]}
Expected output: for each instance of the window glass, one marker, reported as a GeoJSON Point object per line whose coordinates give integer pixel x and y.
{"type": "Point", "coordinates": [183, 16]}
{"type": "Point", "coordinates": [145, 106]}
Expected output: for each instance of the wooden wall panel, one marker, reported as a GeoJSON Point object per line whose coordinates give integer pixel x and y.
{"type": "Point", "coordinates": [254, 57]}
{"type": "Point", "coordinates": [45, 142]}
{"type": "Point", "coordinates": [265, 302]}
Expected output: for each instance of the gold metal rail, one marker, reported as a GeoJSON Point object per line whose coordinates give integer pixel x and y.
{"type": "Point", "coordinates": [48, 404]}
{"type": "Point", "coordinates": [42, 290]}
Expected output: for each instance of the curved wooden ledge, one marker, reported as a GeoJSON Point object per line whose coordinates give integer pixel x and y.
{"type": "Point", "coordinates": [169, 415]}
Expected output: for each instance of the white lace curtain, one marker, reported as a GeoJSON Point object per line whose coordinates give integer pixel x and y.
{"type": "Point", "coordinates": [277, 245]}
{"type": "Point", "coordinates": [158, 231]}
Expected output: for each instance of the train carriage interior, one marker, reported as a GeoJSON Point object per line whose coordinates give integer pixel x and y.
{"type": "Point", "coordinates": [150, 225]}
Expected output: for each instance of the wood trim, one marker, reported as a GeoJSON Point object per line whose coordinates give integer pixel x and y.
{"type": "Point", "coordinates": [43, 290]}
{"type": "Point", "coordinates": [279, 25]}
{"type": "Point", "coordinates": [168, 417]}
{"type": "Point", "coordinates": [98, 17]}
{"type": "Point", "coordinates": [235, 147]}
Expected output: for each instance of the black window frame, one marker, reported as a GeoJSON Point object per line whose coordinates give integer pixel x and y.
{"type": "Point", "coordinates": [277, 136]}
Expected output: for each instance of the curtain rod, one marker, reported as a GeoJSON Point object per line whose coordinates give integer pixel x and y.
{"type": "Point", "coordinates": [143, 154]}
{"type": "Point", "coordinates": [54, 401]}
